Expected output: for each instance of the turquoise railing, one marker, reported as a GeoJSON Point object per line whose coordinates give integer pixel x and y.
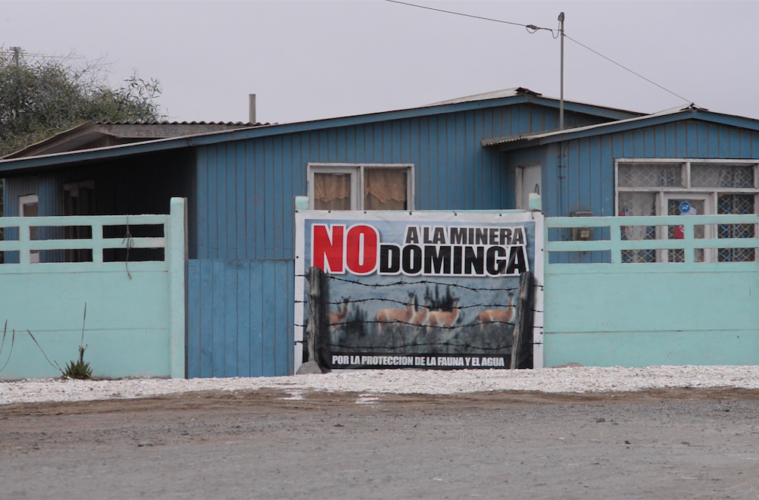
{"type": "Point", "coordinates": [616, 245]}
{"type": "Point", "coordinates": [135, 322]}
{"type": "Point", "coordinates": [25, 246]}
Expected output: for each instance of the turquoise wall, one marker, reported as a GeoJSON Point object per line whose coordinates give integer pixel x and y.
{"type": "Point", "coordinates": [135, 323]}
{"type": "Point", "coordinates": [615, 314]}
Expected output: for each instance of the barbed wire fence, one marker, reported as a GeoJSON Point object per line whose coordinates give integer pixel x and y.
{"type": "Point", "coordinates": [329, 332]}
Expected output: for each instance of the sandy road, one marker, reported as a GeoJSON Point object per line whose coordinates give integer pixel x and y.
{"type": "Point", "coordinates": [675, 443]}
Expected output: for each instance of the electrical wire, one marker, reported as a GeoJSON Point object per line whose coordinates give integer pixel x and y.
{"type": "Point", "coordinates": [531, 28]}
{"type": "Point", "coordinates": [42, 56]}
{"type": "Point", "coordinates": [626, 68]}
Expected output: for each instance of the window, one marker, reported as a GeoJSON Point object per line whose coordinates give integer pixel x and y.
{"type": "Point", "coordinates": [706, 187]}
{"type": "Point", "coordinates": [360, 187]}
{"type": "Point", "coordinates": [28, 206]}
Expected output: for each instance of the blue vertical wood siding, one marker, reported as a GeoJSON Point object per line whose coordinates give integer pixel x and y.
{"type": "Point", "coordinates": [587, 164]}
{"type": "Point", "coordinates": [240, 288]}
{"type": "Point", "coordinates": [241, 234]}
{"type": "Point", "coordinates": [578, 175]}
{"type": "Point", "coordinates": [239, 318]}
{"type": "Point", "coordinates": [244, 208]}
{"type": "Point", "coordinates": [133, 186]}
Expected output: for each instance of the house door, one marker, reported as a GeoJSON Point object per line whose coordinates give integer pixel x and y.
{"type": "Point", "coordinates": [529, 180]}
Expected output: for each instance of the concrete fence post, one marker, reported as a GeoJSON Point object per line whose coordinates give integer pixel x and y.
{"type": "Point", "coordinates": [176, 257]}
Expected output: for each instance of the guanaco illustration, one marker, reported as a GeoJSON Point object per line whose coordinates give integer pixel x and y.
{"type": "Point", "coordinates": [500, 316]}
{"type": "Point", "coordinates": [422, 316]}
{"type": "Point", "coordinates": [339, 317]}
{"type": "Point", "coordinates": [385, 316]}
{"type": "Point", "coordinates": [447, 319]}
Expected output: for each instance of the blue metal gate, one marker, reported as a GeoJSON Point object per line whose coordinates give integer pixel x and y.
{"type": "Point", "coordinates": [239, 318]}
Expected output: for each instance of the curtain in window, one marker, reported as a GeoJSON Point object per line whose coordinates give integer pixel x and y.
{"type": "Point", "coordinates": [632, 204]}
{"type": "Point", "coordinates": [332, 191]}
{"type": "Point", "coordinates": [385, 189]}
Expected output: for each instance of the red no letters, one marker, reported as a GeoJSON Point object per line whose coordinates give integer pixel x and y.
{"type": "Point", "coordinates": [334, 251]}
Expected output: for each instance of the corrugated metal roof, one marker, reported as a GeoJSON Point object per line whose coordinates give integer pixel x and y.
{"type": "Point", "coordinates": [498, 94]}
{"type": "Point", "coordinates": [87, 132]}
{"type": "Point", "coordinates": [493, 99]}
{"type": "Point", "coordinates": [518, 91]}
{"type": "Point", "coordinates": [542, 135]}
{"type": "Point", "coordinates": [166, 122]}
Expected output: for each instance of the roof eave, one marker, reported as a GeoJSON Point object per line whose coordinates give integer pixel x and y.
{"type": "Point", "coordinates": [58, 159]}
{"type": "Point", "coordinates": [616, 127]}
{"type": "Point", "coordinates": [609, 128]}
{"type": "Point", "coordinates": [12, 165]}
{"type": "Point", "coordinates": [587, 109]}
{"type": "Point", "coordinates": [57, 140]}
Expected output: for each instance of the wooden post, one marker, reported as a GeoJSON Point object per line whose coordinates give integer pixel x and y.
{"type": "Point", "coordinates": [522, 322]}
{"type": "Point", "coordinates": [317, 329]}
{"type": "Point", "coordinates": [313, 277]}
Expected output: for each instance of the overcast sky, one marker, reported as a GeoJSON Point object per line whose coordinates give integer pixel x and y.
{"type": "Point", "coordinates": [319, 59]}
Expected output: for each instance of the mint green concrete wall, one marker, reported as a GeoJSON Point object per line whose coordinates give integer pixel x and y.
{"type": "Point", "coordinates": [134, 327]}
{"type": "Point", "coordinates": [651, 314]}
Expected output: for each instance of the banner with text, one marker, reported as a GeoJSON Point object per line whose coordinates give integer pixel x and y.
{"type": "Point", "coordinates": [412, 290]}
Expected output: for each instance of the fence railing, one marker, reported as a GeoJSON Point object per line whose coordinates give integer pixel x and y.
{"type": "Point", "coordinates": [30, 235]}
{"type": "Point", "coordinates": [653, 235]}
{"type": "Point", "coordinates": [136, 308]}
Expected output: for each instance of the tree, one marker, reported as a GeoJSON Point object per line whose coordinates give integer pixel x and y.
{"type": "Point", "coordinates": [43, 96]}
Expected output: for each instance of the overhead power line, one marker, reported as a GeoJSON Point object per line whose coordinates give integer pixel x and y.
{"type": "Point", "coordinates": [626, 68]}
{"type": "Point", "coordinates": [36, 55]}
{"type": "Point", "coordinates": [532, 29]}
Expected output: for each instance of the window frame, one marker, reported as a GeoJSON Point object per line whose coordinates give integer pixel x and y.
{"type": "Point", "coordinates": [686, 166]}
{"type": "Point", "coordinates": [357, 180]}
{"type": "Point", "coordinates": [662, 193]}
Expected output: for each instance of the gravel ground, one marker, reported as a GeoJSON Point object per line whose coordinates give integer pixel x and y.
{"type": "Point", "coordinates": [555, 380]}
{"type": "Point", "coordinates": [266, 444]}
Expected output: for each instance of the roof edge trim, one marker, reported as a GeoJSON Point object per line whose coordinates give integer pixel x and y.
{"type": "Point", "coordinates": [688, 113]}
{"type": "Point", "coordinates": [13, 164]}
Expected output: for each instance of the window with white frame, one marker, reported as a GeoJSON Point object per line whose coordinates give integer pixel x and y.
{"type": "Point", "coordinates": [705, 187]}
{"type": "Point", "coordinates": [360, 186]}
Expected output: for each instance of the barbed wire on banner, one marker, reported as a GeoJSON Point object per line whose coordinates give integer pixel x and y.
{"type": "Point", "coordinates": [439, 317]}
{"type": "Point", "coordinates": [400, 302]}
{"type": "Point", "coordinates": [417, 325]}
{"type": "Point", "coordinates": [419, 282]}
{"type": "Point", "coordinates": [465, 345]}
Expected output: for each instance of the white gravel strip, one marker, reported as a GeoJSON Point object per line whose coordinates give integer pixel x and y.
{"type": "Point", "coordinates": [563, 380]}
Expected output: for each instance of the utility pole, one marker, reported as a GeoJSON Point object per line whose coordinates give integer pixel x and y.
{"type": "Point", "coordinates": [16, 54]}
{"type": "Point", "coordinates": [561, 84]}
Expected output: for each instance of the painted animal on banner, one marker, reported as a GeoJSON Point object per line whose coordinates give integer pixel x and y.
{"type": "Point", "coordinates": [337, 318]}
{"type": "Point", "coordinates": [498, 316]}
{"type": "Point", "coordinates": [445, 319]}
{"type": "Point", "coordinates": [386, 316]}
{"type": "Point", "coordinates": [422, 317]}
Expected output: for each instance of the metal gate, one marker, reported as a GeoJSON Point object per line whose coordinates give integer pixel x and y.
{"type": "Point", "coordinates": [240, 318]}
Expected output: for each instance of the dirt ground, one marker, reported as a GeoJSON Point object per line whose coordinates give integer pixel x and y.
{"type": "Point", "coordinates": [676, 443]}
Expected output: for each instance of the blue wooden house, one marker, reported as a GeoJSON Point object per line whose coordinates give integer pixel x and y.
{"type": "Point", "coordinates": [481, 152]}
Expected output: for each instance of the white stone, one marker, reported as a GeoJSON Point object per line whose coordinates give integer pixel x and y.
{"type": "Point", "coordinates": [568, 380]}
